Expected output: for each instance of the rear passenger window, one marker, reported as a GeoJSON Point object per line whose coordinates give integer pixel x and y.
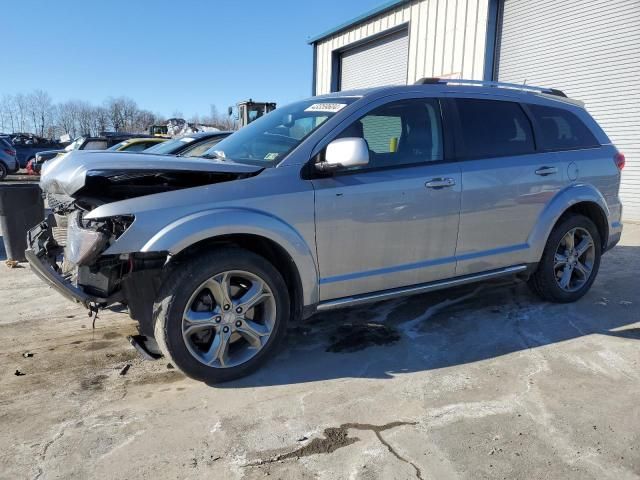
{"type": "Point", "coordinates": [492, 128]}
{"type": "Point", "coordinates": [561, 129]}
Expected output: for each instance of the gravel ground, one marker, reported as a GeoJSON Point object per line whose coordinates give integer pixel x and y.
{"type": "Point", "coordinates": [480, 382]}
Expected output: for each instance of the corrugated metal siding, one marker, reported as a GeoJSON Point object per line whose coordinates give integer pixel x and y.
{"type": "Point", "coordinates": [591, 51]}
{"type": "Point", "coordinates": [446, 38]}
{"type": "Point", "coordinates": [382, 62]}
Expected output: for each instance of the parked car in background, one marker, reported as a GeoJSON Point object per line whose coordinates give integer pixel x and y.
{"type": "Point", "coordinates": [378, 193]}
{"type": "Point", "coordinates": [28, 145]}
{"type": "Point", "coordinates": [193, 145]}
{"type": "Point", "coordinates": [136, 144]}
{"type": "Point", "coordinates": [8, 159]}
{"type": "Point", "coordinates": [102, 142]}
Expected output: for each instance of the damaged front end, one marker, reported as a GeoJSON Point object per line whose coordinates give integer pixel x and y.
{"type": "Point", "coordinates": [67, 252]}
{"type": "Point", "coordinates": [70, 249]}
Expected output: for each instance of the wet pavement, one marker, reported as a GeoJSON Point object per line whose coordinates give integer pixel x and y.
{"type": "Point", "coordinates": [484, 381]}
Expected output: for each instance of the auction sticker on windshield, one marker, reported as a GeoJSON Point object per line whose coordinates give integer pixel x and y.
{"type": "Point", "coordinates": [325, 107]}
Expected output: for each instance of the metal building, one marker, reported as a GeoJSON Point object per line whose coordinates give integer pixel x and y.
{"type": "Point", "coordinates": [590, 49]}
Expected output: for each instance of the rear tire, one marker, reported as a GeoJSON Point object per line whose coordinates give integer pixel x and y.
{"type": "Point", "coordinates": [568, 267]}
{"type": "Point", "coordinates": [205, 322]}
{"type": "Point", "coordinates": [3, 171]}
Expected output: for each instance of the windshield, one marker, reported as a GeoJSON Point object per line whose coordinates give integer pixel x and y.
{"type": "Point", "coordinates": [269, 139]}
{"type": "Point", "coordinates": [197, 150]}
{"type": "Point", "coordinates": [170, 146]}
{"type": "Point", "coordinates": [74, 145]}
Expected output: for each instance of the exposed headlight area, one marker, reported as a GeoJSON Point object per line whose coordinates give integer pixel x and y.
{"type": "Point", "coordinates": [83, 244]}
{"type": "Point", "coordinates": [86, 240]}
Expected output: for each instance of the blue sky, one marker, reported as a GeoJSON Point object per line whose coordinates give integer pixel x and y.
{"type": "Point", "coordinates": [167, 55]}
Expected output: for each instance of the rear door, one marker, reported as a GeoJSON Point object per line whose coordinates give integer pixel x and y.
{"type": "Point", "coordinates": [506, 182]}
{"type": "Point", "coordinates": [393, 222]}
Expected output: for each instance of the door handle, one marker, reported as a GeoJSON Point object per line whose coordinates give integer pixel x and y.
{"type": "Point", "coordinates": [544, 171]}
{"type": "Point", "coordinates": [440, 183]}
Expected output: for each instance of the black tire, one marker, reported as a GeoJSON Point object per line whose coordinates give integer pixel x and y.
{"type": "Point", "coordinates": [543, 282]}
{"type": "Point", "coordinates": [183, 280]}
{"type": "Point", "coordinates": [3, 171]}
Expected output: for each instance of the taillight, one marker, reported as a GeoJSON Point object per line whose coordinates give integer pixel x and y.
{"type": "Point", "coordinates": [11, 153]}
{"type": "Point", "coordinates": [620, 160]}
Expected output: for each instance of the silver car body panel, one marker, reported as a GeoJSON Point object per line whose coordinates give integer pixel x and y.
{"type": "Point", "coordinates": [65, 175]}
{"type": "Point", "coordinates": [356, 234]}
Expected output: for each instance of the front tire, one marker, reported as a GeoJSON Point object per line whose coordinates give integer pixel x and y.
{"type": "Point", "coordinates": [219, 316]}
{"type": "Point", "coordinates": [570, 261]}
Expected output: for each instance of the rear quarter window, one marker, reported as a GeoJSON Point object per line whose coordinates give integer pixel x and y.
{"type": "Point", "coordinates": [493, 128]}
{"type": "Point", "coordinates": [561, 130]}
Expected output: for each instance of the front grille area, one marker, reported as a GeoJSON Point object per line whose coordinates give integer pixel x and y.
{"type": "Point", "coordinates": [58, 202]}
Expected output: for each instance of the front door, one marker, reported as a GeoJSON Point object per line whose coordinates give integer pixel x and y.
{"type": "Point", "coordinates": [394, 222]}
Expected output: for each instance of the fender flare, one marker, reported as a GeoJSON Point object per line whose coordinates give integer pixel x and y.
{"type": "Point", "coordinates": [559, 204]}
{"type": "Point", "coordinates": [207, 224]}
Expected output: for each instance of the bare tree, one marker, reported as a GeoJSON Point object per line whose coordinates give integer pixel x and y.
{"type": "Point", "coordinates": [36, 113]}
{"type": "Point", "coordinates": [85, 118]}
{"type": "Point", "coordinates": [40, 111]}
{"type": "Point", "coordinates": [7, 117]}
{"type": "Point", "coordinates": [144, 119]}
{"type": "Point", "coordinates": [67, 117]}
{"type": "Point", "coordinates": [100, 120]}
{"type": "Point", "coordinates": [129, 112]}
{"type": "Point", "coordinates": [21, 107]}
{"type": "Point", "coordinates": [114, 109]}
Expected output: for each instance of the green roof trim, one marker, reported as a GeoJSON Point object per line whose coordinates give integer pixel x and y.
{"type": "Point", "coordinates": [389, 5]}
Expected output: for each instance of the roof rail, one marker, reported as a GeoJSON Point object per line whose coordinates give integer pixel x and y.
{"type": "Point", "coordinates": [489, 83]}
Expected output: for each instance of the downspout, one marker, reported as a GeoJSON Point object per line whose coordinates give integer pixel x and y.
{"type": "Point", "coordinates": [491, 45]}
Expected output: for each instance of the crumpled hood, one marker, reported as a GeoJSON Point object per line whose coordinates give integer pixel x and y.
{"type": "Point", "coordinates": [67, 174]}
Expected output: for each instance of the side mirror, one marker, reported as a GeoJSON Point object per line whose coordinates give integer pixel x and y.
{"type": "Point", "coordinates": [345, 153]}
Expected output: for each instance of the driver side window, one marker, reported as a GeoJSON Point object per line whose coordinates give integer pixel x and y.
{"type": "Point", "coordinates": [400, 133]}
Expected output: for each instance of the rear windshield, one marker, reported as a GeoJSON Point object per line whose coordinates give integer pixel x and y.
{"type": "Point", "coordinates": [561, 129]}
{"type": "Point", "coordinates": [170, 146]}
{"type": "Point", "coordinates": [117, 146]}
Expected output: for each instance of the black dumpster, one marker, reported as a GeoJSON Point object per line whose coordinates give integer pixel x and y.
{"type": "Point", "coordinates": [21, 208]}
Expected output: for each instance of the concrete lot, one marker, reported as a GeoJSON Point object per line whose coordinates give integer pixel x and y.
{"type": "Point", "coordinates": [481, 382]}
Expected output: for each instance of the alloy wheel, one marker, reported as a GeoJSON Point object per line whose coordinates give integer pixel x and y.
{"type": "Point", "coordinates": [229, 319]}
{"type": "Point", "coordinates": [574, 259]}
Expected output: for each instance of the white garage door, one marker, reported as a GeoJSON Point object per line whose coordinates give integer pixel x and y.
{"type": "Point", "coordinates": [381, 62]}
{"type": "Point", "coordinates": [591, 51]}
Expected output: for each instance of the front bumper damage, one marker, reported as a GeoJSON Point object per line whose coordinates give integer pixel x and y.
{"type": "Point", "coordinates": [93, 280]}
{"type": "Point", "coordinates": [42, 254]}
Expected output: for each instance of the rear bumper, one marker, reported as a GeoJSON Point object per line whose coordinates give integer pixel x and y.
{"type": "Point", "coordinates": [615, 232]}
{"type": "Point", "coordinates": [40, 241]}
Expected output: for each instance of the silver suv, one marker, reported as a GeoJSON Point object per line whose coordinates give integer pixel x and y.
{"type": "Point", "coordinates": [330, 202]}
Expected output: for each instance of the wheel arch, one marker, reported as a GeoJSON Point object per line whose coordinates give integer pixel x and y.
{"type": "Point", "coordinates": [581, 199]}
{"type": "Point", "coordinates": [256, 231]}
{"type": "Point", "coordinates": [594, 212]}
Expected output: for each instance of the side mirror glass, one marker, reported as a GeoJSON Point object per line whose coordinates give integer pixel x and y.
{"type": "Point", "coordinates": [345, 153]}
